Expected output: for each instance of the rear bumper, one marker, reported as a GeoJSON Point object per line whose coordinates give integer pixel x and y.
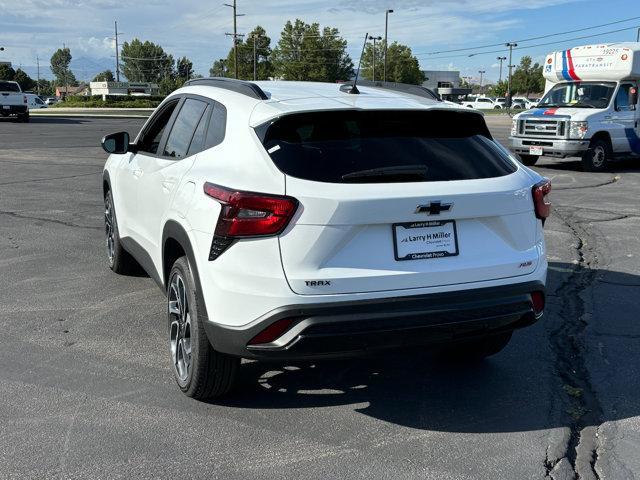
{"type": "Point", "coordinates": [13, 109]}
{"type": "Point", "coordinates": [351, 328]}
{"type": "Point", "coordinates": [551, 147]}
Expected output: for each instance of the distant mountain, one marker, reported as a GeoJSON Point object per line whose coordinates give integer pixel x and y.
{"type": "Point", "coordinates": [84, 68]}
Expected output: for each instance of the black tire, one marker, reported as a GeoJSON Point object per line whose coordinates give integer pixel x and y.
{"type": "Point", "coordinates": [23, 118]}
{"type": "Point", "coordinates": [529, 160]}
{"type": "Point", "coordinates": [596, 158]}
{"type": "Point", "coordinates": [200, 371]}
{"type": "Point", "coordinates": [118, 259]}
{"type": "Point", "coordinates": [478, 348]}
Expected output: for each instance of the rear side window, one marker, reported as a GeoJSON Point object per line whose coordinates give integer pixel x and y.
{"type": "Point", "coordinates": [183, 128]}
{"type": "Point", "coordinates": [9, 87]}
{"type": "Point", "coordinates": [349, 146]}
{"type": "Point", "coordinates": [217, 126]}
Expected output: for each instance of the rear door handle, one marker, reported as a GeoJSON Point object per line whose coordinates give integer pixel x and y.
{"type": "Point", "coordinates": [137, 173]}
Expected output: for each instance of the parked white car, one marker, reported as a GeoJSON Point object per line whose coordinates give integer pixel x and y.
{"type": "Point", "coordinates": [482, 103]}
{"type": "Point", "coordinates": [13, 101]}
{"type": "Point", "coordinates": [526, 102]}
{"type": "Point", "coordinates": [298, 221]}
{"type": "Point", "coordinates": [35, 102]}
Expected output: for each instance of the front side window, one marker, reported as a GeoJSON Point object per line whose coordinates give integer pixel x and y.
{"type": "Point", "coordinates": [579, 95]}
{"type": "Point", "coordinates": [351, 146]}
{"type": "Point", "coordinates": [183, 128]}
{"type": "Point", "coordinates": [622, 98]}
{"type": "Point", "coordinates": [152, 135]}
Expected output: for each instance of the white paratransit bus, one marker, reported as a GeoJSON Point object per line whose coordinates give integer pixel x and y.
{"type": "Point", "coordinates": [590, 107]}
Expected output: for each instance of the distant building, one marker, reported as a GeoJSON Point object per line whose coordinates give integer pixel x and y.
{"type": "Point", "coordinates": [446, 83]}
{"type": "Point", "coordinates": [64, 91]}
{"type": "Point", "coordinates": [124, 88]}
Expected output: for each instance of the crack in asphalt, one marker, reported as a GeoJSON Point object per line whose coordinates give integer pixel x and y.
{"type": "Point", "coordinates": [597, 210]}
{"type": "Point", "coordinates": [50, 220]}
{"type": "Point", "coordinates": [614, 179]}
{"type": "Point", "coordinates": [567, 342]}
{"type": "Point", "coordinates": [17, 182]}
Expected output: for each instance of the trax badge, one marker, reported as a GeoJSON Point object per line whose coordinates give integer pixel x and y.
{"type": "Point", "coordinates": [317, 283]}
{"type": "Point", "coordinates": [434, 208]}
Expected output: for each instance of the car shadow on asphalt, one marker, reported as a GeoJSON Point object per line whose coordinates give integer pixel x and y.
{"type": "Point", "coordinates": [537, 382]}
{"type": "Point", "coordinates": [47, 120]}
{"type": "Point", "coordinates": [575, 165]}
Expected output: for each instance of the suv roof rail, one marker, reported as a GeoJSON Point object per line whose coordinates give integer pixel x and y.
{"type": "Point", "coordinates": [239, 86]}
{"type": "Point", "coordinates": [417, 90]}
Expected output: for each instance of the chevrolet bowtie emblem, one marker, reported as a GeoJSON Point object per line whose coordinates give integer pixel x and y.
{"type": "Point", "coordinates": [434, 208]}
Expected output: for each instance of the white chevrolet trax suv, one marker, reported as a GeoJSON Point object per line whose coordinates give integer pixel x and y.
{"type": "Point", "coordinates": [292, 221]}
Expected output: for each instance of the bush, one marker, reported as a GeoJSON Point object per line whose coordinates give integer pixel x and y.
{"type": "Point", "coordinates": [113, 101]}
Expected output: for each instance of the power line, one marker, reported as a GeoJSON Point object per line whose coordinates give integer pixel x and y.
{"type": "Point", "coordinates": [534, 38]}
{"type": "Point", "coordinates": [555, 42]}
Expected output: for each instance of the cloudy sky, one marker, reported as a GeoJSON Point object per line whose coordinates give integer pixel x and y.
{"type": "Point", "coordinates": [196, 28]}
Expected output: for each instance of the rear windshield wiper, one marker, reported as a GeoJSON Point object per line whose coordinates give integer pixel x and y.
{"type": "Point", "coordinates": [416, 171]}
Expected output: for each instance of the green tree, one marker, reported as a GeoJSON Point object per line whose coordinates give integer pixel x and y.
{"type": "Point", "coordinates": [499, 89]}
{"type": "Point", "coordinates": [146, 62]}
{"type": "Point", "coordinates": [106, 76]}
{"type": "Point", "coordinates": [60, 61]}
{"type": "Point", "coordinates": [25, 81]}
{"type": "Point", "coordinates": [46, 89]}
{"type": "Point", "coordinates": [245, 57]}
{"type": "Point", "coordinates": [185, 69]}
{"type": "Point", "coordinates": [6, 72]}
{"type": "Point", "coordinates": [402, 66]}
{"type": "Point", "coordinates": [527, 77]}
{"type": "Point", "coordinates": [218, 69]}
{"type": "Point", "coordinates": [306, 53]}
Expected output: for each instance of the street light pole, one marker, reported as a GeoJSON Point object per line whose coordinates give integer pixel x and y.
{"type": "Point", "coordinates": [374, 54]}
{"type": "Point", "coordinates": [501, 59]}
{"type": "Point", "coordinates": [511, 46]}
{"type": "Point", "coordinates": [386, 32]}
{"type": "Point", "coordinates": [481, 72]}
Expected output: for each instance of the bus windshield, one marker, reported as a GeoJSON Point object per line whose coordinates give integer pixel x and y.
{"type": "Point", "coordinates": [579, 95]}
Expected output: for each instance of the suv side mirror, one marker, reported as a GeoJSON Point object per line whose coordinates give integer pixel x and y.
{"type": "Point", "coordinates": [633, 97]}
{"type": "Point", "coordinates": [116, 143]}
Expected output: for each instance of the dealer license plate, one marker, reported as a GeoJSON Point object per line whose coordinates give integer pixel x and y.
{"type": "Point", "coordinates": [423, 240]}
{"type": "Point", "coordinates": [535, 151]}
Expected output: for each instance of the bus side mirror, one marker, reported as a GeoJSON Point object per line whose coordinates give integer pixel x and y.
{"type": "Point", "coordinates": [633, 97]}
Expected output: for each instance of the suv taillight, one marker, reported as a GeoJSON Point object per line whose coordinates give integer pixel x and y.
{"type": "Point", "coordinates": [250, 214]}
{"type": "Point", "coordinates": [24, 99]}
{"type": "Point", "coordinates": [540, 202]}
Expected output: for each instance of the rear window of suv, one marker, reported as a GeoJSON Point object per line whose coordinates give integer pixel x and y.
{"type": "Point", "coordinates": [355, 146]}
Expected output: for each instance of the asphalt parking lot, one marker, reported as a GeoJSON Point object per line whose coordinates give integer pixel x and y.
{"type": "Point", "coordinates": [86, 390]}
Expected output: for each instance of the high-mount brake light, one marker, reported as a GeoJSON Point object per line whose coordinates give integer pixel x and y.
{"type": "Point", "coordinates": [540, 201]}
{"type": "Point", "coordinates": [250, 214]}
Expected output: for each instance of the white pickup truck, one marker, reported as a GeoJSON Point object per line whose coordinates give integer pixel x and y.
{"type": "Point", "coordinates": [482, 103]}
{"type": "Point", "coordinates": [590, 108]}
{"type": "Point", "coordinates": [13, 101]}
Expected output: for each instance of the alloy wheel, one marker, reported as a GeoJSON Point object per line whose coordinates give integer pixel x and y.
{"type": "Point", "coordinates": [179, 327]}
{"type": "Point", "coordinates": [109, 230]}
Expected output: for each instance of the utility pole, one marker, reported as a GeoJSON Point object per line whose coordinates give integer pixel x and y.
{"type": "Point", "coordinates": [38, 66]}
{"type": "Point", "coordinates": [511, 46]}
{"type": "Point", "coordinates": [117, 59]}
{"type": "Point", "coordinates": [255, 38]}
{"type": "Point", "coordinates": [501, 59]}
{"type": "Point", "coordinates": [481, 72]}
{"type": "Point", "coordinates": [66, 77]}
{"type": "Point", "coordinates": [374, 54]}
{"type": "Point", "coordinates": [235, 34]}
{"type": "Point", "coordinates": [386, 32]}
